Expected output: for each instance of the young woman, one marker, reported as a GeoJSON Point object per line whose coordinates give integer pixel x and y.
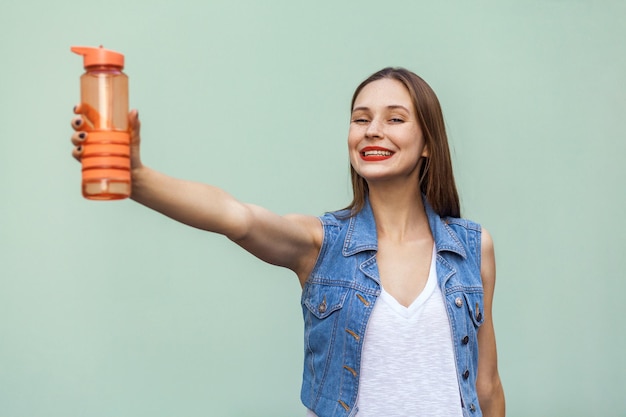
{"type": "Point", "coordinates": [397, 288]}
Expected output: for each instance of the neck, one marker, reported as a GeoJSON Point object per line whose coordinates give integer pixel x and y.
{"type": "Point", "coordinates": [400, 215]}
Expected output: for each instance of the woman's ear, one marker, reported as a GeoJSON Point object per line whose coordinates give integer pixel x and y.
{"type": "Point", "coordinates": [425, 152]}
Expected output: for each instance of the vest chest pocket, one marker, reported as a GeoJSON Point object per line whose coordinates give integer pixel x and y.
{"type": "Point", "coordinates": [323, 300]}
{"type": "Point", "coordinates": [474, 302]}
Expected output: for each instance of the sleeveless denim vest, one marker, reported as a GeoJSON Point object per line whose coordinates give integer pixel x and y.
{"type": "Point", "coordinates": [338, 298]}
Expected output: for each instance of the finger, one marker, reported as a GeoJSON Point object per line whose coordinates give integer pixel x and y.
{"type": "Point", "coordinates": [133, 122]}
{"type": "Point", "coordinates": [77, 152]}
{"type": "Point", "coordinates": [78, 138]}
{"type": "Point", "coordinates": [90, 115]}
{"type": "Point", "coordinates": [78, 122]}
{"type": "Point", "coordinates": [134, 127]}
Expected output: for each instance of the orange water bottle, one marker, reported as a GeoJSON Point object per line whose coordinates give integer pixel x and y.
{"type": "Point", "coordinates": [104, 109]}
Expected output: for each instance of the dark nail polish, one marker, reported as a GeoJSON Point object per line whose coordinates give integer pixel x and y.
{"type": "Point", "coordinates": [75, 109]}
{"type": "Point", "coordinates": [82, 135]}
{"type": "Point", "coordinates": [77, 122]}
{"type": "Point", "coordinates": [79, 148]}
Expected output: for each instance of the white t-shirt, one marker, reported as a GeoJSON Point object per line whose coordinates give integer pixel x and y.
{"type": "Point", "coordinates": [407, 365]}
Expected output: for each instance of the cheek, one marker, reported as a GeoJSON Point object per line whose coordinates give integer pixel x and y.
{"type": "Point", "coordinates": [352, 150]}
{"type": "Point", "coordinates": [353, 140]}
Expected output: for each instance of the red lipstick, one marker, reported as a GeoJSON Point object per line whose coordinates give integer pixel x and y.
{"type": "Point", "coordinates": [375, 153]}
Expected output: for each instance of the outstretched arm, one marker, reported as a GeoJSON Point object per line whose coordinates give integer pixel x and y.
{"type": "Point", "coordinates": [291, 241]}
{"type": "Point", "coordinates": [488, 384]}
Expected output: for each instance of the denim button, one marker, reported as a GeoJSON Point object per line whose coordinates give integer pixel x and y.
{"type": "Point", "coordinates": [465, 340]}
{"type": "Point", "coordinates": [458, 302]}
{"type": "Point", "coordinates": [322, 307]}
{"type": "Point", "coordinates": [472, 408]}
{"type": "Point", "coordinates": [466, 374]}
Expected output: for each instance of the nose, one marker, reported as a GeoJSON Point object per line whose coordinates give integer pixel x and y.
{"type": "Point", "coordinates": [374, 129]}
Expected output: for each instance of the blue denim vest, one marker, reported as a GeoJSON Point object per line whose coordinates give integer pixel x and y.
{"type": "Point", "coordinates": [338, 298]}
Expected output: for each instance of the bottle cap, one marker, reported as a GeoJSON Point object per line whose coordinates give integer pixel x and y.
{"type": "Point", "coordinates": [99, 56]}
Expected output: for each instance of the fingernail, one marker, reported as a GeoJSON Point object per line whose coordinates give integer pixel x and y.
{"type": "Point", "coordinates": [82, 135]}
{"type": "Point", "coordinates": [75, 109]}
{"type": "Point", "coordinates": [77, 122]}
{"type": "Point", "coordinates": [79, 149]}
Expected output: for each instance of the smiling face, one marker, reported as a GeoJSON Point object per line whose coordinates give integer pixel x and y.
{"type": "Point", "coordinates": [385, 140]}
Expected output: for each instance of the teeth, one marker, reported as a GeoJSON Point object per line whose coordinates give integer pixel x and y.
{"type": "Point", "coordinates": [377, 153]}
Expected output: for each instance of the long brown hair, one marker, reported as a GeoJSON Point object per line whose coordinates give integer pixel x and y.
{"type": "Point", "coordinates": [436, 177]}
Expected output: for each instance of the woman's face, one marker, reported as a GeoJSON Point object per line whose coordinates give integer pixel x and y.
{"type": "Point", "coordinates": [385, 140]}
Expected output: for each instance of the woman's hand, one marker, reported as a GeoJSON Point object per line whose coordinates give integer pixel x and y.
{"type": "Point", "coordinates": [82, 126]}
{"type": "Point", "coordinates": [80, 134]}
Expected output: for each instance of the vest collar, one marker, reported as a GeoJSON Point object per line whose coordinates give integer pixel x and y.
{"type": "Point", "coordinates": [362, 235]}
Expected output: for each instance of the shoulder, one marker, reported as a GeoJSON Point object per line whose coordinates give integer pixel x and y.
{"type": "Point", "coordinates": [486, 242]}
{"type": "Point", "coordinates": [478, 243]}
{"type": "Point", "coordinates": [461, 223]}
{"type": "Point", "coordinates": [468, 233]}
{"type": "Point", "coordinates": [338, 227]}
{"type": "Point", "coordinates": [464, 227]}
{"type": "Point", "coordinates": [477, 238]}
{"type": "Point", "coordinates": [334, 223]}
{"type": "Point", "coordinates": [488, 260]}
{"type": "Point", "coordinates": [336, 218]}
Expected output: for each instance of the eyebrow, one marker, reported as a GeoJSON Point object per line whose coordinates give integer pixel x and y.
{"type": "Point", "coordinates": [392, 107]}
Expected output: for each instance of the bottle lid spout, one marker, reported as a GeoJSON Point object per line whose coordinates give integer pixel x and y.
{"type": "Point", "coordinates": [98, 56]}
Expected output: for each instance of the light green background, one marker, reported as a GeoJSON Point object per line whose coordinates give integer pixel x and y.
{"type": "Point", "coordinates": [109, 309]}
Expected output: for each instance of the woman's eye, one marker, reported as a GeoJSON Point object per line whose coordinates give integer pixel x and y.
{"type": "Point", "coordinates": [396, 120]}
{"type": "Point", "coordinates": [360, 120]}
